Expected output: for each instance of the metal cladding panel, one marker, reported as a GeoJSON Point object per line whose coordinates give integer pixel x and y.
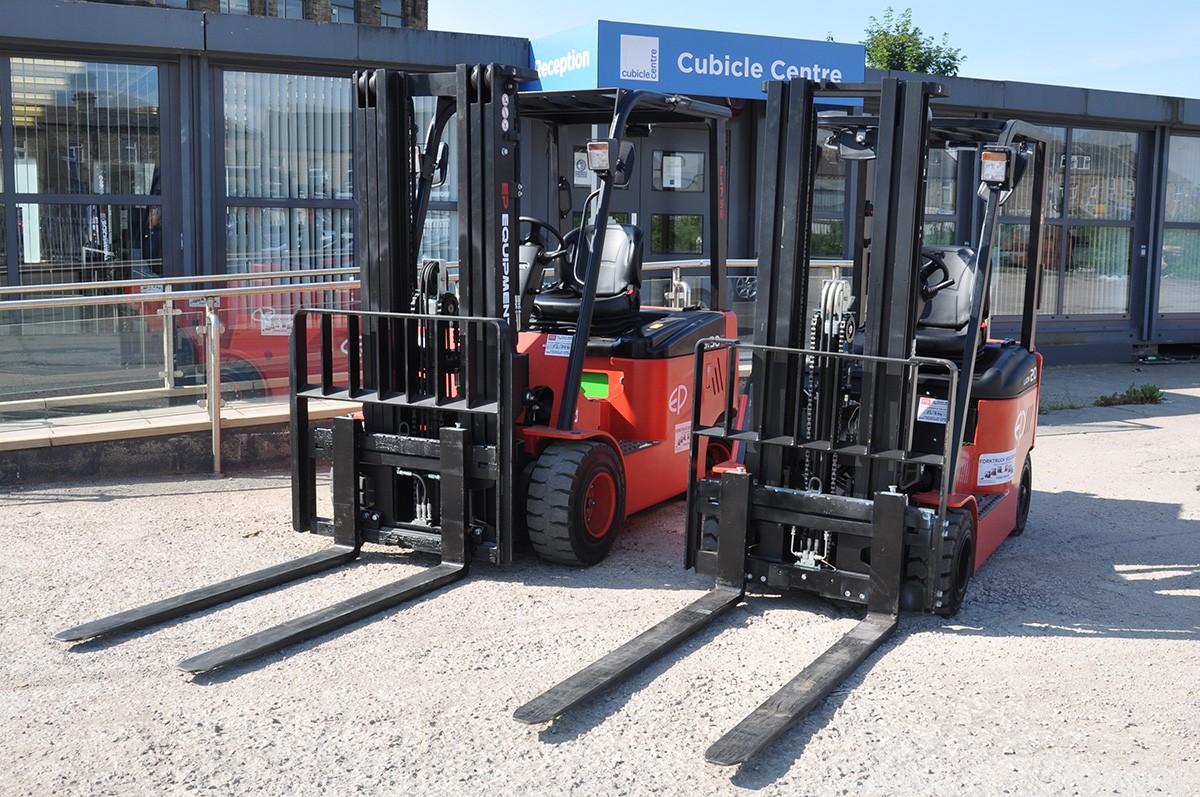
{"type": "Point", "coordinates": [269, 36]}
{"type": "Point", "coordinates": [95, 24]}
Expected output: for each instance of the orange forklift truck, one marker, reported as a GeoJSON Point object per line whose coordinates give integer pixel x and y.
{"type": "Point", "coordinates": [524, 388]}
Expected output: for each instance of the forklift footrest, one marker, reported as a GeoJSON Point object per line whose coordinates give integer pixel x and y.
{"type": "Point", "coordinates": [212, 595]}
{"type": "Point", "coordinates": [325, 620]}
{"type": "Point", "coordinates": [803, 693]}
{"type": "Point", "coordinates": [635, 654]}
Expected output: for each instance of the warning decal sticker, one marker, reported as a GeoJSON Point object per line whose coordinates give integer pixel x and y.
{"type": "Point", "coordinates": [558, 345]}
{"type": "Point", "coordinates": [683, 436]}
{"type": "Point", "coordinates": [931, 410]}
{"type": "Point", "coordinates": [997, 468]}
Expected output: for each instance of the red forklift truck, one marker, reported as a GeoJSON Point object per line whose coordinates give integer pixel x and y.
{"type": "Point", "coordinates": [885, 452]}
{"type": "Point", "coordinates": [524, 388]}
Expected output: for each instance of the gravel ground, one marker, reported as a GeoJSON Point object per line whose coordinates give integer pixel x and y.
{"type": "Point", "coordinates": [1072, 668]}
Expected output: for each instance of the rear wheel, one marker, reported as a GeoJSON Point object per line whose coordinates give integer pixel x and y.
{"type": "Point", "coordinates": [1024, 497]}
{"type": "Point", "coordinates": [716, 452]}
{"type": "Point", "coordinates": [576, 502]}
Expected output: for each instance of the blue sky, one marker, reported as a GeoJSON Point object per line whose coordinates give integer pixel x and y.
{"type": "Point", "coordinates": [1151, 47]}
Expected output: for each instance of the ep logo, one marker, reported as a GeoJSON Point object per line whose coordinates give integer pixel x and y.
{"type": "Point", "coordinates": [678, 399]}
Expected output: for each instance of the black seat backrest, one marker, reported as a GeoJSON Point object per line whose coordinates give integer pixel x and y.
{"type": "Point", "coordinates": [951, 307]}
{"type": "Point", "coordinates": [942, 325]}
{"type": "Point", "coordinates": [618, 296]}
{"type": "Point", "coordinates": [620, 261]}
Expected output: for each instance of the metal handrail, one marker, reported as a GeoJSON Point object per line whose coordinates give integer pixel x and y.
{"type": "Point", "coordinates": [167, 298]}
{"type": "Point", "coordinates": [157, 296]}
{"type": "Point", "coordinates": [150, 282]}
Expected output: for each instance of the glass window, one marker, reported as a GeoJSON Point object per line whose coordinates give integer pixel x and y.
{"type": "Point", "coordinates": [1100, 171]}
{"type": "Point", "coordinates": [1019, 202]}
{"type": "Point", "coordinates": [439, 239]}
{"type": "Point", "coordinates": [1183, 180]}
{"type": "Point", "coordinates": [1012, 240]}
{"type": "Point", "coordinates": [616, 217]}
{"type": "Point", "coordinates": [1097, 270]}
{"type": "Point", "coordinates": [676, 234]}
{"type": "Point", "coordinates": [830, 187]}
{"type": "Point", "coordinates": [88, 243]}
{"type": "Point", "coordinates": [3, 249]}
{"type": "Point", "coordinates": [1103, 174]}
{"type": "Point", "coordinates": [286, 9]}
{"type": "Point", "coordinates": [342, 11]}
{"type": "Point", "coordinates": [85, 128]}
{"type": "Point", "coordinates": [1179, 290]}
{"type": "Point", "coordinates": [829, 201]}
{"type": "Point", "coordinates": [86, 171]}
{"type": "Point", "coordinates": [287, 171]}
{"type": "Point", "coordinates": [941, 184]}
{"type": "Point", "coordinates": [391, 14]}
{"type": "Point", "coordinates": [287, 136]}
{"type": "Point", "coordinates": [939, 233]}
{"type": "Point", "coordinates": [581, 175]}
{"type": "Point", "coordinates": [440, 236]}
{"type": "Point", "coordinates": [235, 6]}
{"type": "Point", "coordinates": [1087, 250]}
{"type": "Point", "coordinates": [828, 238]}
{"type": "Point", "coordinates": [677, 171]}
{"type": "Point", "coordinates": [286, 239]}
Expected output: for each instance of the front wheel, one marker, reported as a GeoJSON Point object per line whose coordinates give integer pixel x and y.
{"type": "Point", "coordinates": [576, 502]}
{"type": "Point", "coordinates": [958, 564]}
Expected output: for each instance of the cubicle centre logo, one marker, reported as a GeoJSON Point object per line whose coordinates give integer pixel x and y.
{"type": "Point", "coordinates": [639, 57]}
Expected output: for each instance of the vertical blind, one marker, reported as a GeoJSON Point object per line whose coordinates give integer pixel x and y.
{"type": "Point", "coordinates": [287, 171]}
{"type": "Point", "coordinates": [1180, 263]}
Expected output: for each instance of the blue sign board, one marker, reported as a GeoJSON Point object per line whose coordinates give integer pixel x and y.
{"type": "Point", "coordinates": [696, 62]}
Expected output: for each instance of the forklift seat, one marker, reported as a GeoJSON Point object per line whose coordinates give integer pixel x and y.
{"type": "Point", "coordinates": [942, 325]}
{"type": "Point", "coordinates": [618, 298]}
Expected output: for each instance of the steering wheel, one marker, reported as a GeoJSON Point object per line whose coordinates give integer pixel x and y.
{"type": "Point", "coordinates": [536, 227]}
{"type": "Point", "coordinates": [929, 288]}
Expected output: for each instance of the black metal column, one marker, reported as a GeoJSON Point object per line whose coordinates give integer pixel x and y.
{"type": "Point", "coordinates": [890, 314]}
{"type": "Point", "coordinates": [784, 251]}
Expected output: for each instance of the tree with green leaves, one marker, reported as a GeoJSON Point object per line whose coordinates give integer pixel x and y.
{"type": "Point", "coordinates": [893, 42]}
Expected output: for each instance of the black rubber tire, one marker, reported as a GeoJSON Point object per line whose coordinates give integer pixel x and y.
{"type": "Point", "coordinates": [1024, 498]}
{"type": "Point", "coordinates": [958, 564]}
{"type": "Point", "coordinates": [563, 499]}
{"type": "Point", "coordinates": [241, 381]}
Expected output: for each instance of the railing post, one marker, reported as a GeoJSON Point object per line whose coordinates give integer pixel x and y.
{"type": "Point", "coordinates": [213, 387]}
{"type": "Point", "coordinates": [168, 313]}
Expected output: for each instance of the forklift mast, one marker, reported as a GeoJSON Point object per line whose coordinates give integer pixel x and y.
{"type": "Point", "coordinates": [433, 362]}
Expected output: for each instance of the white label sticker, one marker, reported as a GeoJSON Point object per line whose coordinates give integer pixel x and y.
{"type": "Point", "coordinates": [931, 410]}
{"type": "Point", "coordinates": [558, 345]}
{"type": "Point", "coordinates": [273, 323]}
{"type": "Point", "coordinates": [997, 468]}
{"type": "Point", "coordinates": [683, 436]}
